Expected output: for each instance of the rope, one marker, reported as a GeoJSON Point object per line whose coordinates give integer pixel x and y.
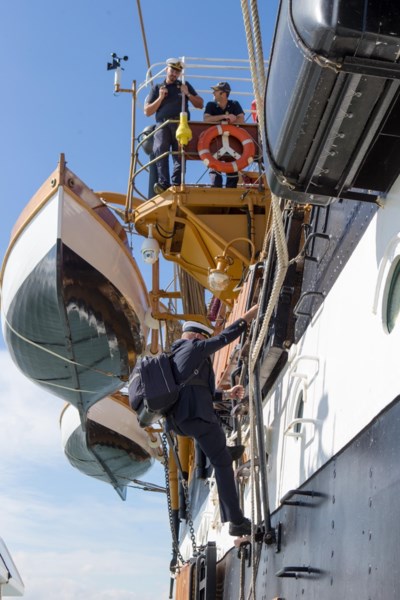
{"type": "Point", "coordinates": [254, 47]}
{"type": "Point", "coordinates": [258, 49]}
{"type": "Point", "coordinates": [258, 77]}
{"type": "Point", "coordinates": [192, 294]}
{"type": "Point", "coordinates": [256, 345]}
{"type": "Point", "coordinates": [255, 52]}
{"type": "Point", "coordinates": [252, 472]}
{"type": "Point", "coordinates": [281, 269]}
{"type": "Point", "coordinates": [59, 356]}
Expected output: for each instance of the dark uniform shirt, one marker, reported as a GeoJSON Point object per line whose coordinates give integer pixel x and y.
{"type": "Point", "coordinates": [196, 401]}
{"type": "Point", "coordinates": [171, 106]}
{"type": "Point", "coordinates": [232, 108]}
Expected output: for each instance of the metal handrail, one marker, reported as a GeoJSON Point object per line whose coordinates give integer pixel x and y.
{"type": "Point", "coordinates": [201, 69]}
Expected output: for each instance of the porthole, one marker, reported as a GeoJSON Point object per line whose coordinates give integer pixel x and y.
{"type": "Point", "coordinates": [393, 298]}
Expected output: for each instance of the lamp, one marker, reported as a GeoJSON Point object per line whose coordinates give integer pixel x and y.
{"type": "Point", "coordinates": [218, 278]}
{"type": "Point", "coordinates": [150, 248]}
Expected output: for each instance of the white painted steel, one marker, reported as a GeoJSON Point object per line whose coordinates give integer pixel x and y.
{"type": "Point", "coordinates": [11, 583]}
{"type": "Point", "coordinates": [357, 376]}
{"type": "Point", "coordinates": [346, 366]}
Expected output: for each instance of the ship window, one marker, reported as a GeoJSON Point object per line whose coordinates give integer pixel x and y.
{"type": "Point", "coordinates": [299, 411]}
{"type": "Point", "coordinates": [393, 299]}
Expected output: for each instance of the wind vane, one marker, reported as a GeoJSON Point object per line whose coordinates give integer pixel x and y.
{"type": "Point", "coordinates": [116, 65]}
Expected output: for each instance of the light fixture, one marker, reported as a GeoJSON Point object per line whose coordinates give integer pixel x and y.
{"type": "Point", "coordinates": [150, 248]}
{"type": "Point", "coordinates": [218, 278]}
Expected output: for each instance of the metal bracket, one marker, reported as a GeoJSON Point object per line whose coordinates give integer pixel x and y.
{"type": "Point", "coordinates": [300, 313]}
{"type": "Point", "coordinates": [286, 499]}
{"type": "Point", "coordinates": [298, 422]}
{"type": "Point", "coordinates": [297, 572]}
{"type": "Point", "coordinates": [244, 551]}
{"type": "Point", "coordinates": [311, 237]}
{"type": "Point", "coordinates": [370, 67]}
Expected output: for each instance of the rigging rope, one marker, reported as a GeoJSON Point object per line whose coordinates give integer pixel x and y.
{"type": "Point", "coordinates": [63, 359]}
{"type": "Point", "coordinates": [258, 48]}
{"type": "Point", "coordinates": [192, 294]}
{"type": "Point", "coordinates": [281, 269]}
{"type": "Point", "coordinates": [144, 40]}
{"type": "Point", "coordinates": [255, 52]}
{"type": "Point", "coordinates": [254, 46]}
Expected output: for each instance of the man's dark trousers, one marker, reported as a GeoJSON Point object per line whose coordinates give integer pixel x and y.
{"type": "Point", "coordinates": [211, 439]}
{"type": "Point", "coordinates": [164, 141]}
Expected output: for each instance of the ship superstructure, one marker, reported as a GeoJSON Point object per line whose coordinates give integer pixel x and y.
{"type": "Point", "coordinates": [311, 234]}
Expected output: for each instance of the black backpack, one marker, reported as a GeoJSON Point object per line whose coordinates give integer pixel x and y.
{"type": "Point", "coordinates": [153, 390]}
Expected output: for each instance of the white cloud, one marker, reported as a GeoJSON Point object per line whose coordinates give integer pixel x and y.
{"type": "Point", "coordinates": [29, 418]}
{"type": "Point", "coordinates": [105, 574]}
{"type": "Point", "coordinates": [71, 536]}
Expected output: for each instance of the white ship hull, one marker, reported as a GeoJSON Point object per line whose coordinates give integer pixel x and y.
{"type": "Point", "coordinates": [345, 365]}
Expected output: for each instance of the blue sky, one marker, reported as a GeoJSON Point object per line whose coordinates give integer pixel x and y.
{"type": "Point", "coordinates": [71, 536]}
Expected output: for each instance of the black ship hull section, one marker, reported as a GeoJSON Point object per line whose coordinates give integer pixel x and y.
{"type": "Point", "coordinates": [341, 540]}
{"type": "Point", "coordinates": [332, 100]}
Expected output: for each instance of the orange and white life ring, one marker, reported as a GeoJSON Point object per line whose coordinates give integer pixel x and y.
{"type": "Point", "coordinates": [212, 160]}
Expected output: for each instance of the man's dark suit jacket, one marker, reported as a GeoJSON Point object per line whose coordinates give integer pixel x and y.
{"type": "Point", "coordinates": [196, 401]}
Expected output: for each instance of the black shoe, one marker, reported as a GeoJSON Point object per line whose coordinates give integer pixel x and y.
{"type": "Point", "coordinates": [236, 451]}
{"type": "Point", "coordinates": [159, 188]}
{"type": "Point", "coordinates": [239, 529]}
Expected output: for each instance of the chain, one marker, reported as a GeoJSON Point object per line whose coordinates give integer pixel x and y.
{"type": "Point", "coordinates": [189, 515]}
{"type": "Point", "coordinates": [187, 501]}
{"type": "Point", "coordinates": [168, 490]}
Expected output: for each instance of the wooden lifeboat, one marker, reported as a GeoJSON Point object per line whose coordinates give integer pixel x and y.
{"type": "Point", "coordinates": [112, 447]}
{"type": "Point", "coordinates": [73, 298]}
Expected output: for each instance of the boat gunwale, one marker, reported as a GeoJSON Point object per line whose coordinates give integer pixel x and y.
{"type": "Point", "coordinates": [42, 197]}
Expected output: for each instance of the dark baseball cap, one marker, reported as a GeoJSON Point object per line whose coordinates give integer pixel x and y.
{"type": "Point", "coordinates": [223, 86]}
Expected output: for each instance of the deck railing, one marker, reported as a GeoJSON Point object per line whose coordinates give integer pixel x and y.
{"type": "Point", "coordinates": [204, 71]}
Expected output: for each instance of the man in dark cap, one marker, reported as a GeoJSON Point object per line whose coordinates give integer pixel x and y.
{"type": "Point", "coordinates": [224, 111]}
{"type": "Point", "coordinates": [194, 415]}
{"type": "Point", "coordinates": [165, 100]}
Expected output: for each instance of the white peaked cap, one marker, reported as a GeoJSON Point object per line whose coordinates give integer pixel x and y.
{"type": "Point", "coordinates": [196, 327]}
